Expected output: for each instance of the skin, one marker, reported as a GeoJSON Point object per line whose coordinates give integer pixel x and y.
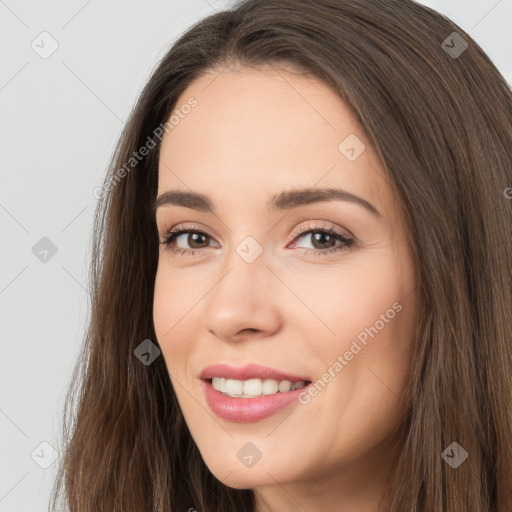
{"type": "Point", "coordinates": [255, 133]}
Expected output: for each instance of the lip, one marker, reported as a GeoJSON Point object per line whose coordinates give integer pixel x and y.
{"type": "Point", "coordinates": [245, 410]}
{"type": "Point", "coordinates": [248, 371]}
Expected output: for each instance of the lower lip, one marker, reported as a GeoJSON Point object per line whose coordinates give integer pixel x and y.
{"type": "Point", "coordinates": [245, 410]}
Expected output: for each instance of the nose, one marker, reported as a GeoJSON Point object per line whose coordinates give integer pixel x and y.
{"type": "Point", "coordinates": [245, 301]}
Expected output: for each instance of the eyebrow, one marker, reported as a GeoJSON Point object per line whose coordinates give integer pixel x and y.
{"type": "Point", "coordinates": [285, 200]}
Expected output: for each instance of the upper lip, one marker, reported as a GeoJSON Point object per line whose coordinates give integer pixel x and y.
{"type": "Point", "coordinates": [248, 371]}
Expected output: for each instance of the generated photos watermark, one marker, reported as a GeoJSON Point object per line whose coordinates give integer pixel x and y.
{"type": "Point", "coordinates": [137, 156]}
{"type": "Point", "coordinates": [354, 349]}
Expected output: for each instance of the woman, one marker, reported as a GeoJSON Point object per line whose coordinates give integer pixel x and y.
{"type": "Point", "coordinates": [302, 279]}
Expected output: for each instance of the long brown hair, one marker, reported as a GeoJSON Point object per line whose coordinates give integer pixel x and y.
{"type": "Point", "coordinates": [440, 116]}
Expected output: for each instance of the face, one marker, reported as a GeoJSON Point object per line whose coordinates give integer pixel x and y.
{"type": "Point", "coordinates": [317, 286]}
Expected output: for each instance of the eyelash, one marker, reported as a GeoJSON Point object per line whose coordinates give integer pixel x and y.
{"type": "Point", "coordinates": [170, 235]}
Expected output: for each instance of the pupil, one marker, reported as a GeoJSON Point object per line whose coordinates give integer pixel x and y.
{"type": "Point", "coordinates": [194, 237]}
{"type": "Point", "coordinates": [319, 236]}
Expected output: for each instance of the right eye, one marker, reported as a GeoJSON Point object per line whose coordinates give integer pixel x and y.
{"type": "Point", "coordinates": [194, 236]}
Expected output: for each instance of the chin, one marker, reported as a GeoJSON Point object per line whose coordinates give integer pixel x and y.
{"type": "Point", "coordinates": [240, 477]}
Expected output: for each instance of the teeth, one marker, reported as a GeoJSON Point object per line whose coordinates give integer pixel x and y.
{"type": "Point", "coordinates": [298, 385]}
{"type": "Point", "coordinates": [253, 388]}
{"type": "Point", "coordinates": [285, 386]}
{"type": "Point", "coordinates": [233, 387]}
{"type": "Point", "coordinates": [270, 386]}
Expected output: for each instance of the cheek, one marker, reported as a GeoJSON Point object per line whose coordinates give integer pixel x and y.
{"type": "Point", "coordinates": [174, 296]}
{"type": "Point", "coordinates": [161, 306]}
{"type": "Point", "coordinates": [372, 316]}
{"type": "Point", "coordinates": [370, 357]}
{"type": "Point", "coordinates": [353, 301]}
{"type": "Point", "coordinates": [377, 323]}
{"type": "Point", "coordinates": [168, 319]}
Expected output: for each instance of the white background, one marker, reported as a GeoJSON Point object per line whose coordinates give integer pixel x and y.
{"type": "Point", "coordinates": [59, 120]}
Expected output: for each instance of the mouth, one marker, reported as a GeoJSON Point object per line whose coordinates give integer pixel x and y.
{"type": "Point", "coordinates": [254, 388]}
{"type": "Point", "coordinates": [250, 393]}
{"type": "Point", "coordinates": [244, 407]}
{"type": "Point", "coordinates": [251, 380]}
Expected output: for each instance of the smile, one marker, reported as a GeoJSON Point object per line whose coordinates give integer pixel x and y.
{"type": "Point", "coordinates": [243, 410]}
{"type": "Point", "coordinates": [254, 388]}
{"type": "Point", "coordinates": [251, 392]}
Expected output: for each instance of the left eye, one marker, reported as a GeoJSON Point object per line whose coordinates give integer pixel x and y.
{"type": "Point", "coordinates": [323, 240]}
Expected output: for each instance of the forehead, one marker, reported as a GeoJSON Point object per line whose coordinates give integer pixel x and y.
{"type": "Point", "coordinates": [268, 129]}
